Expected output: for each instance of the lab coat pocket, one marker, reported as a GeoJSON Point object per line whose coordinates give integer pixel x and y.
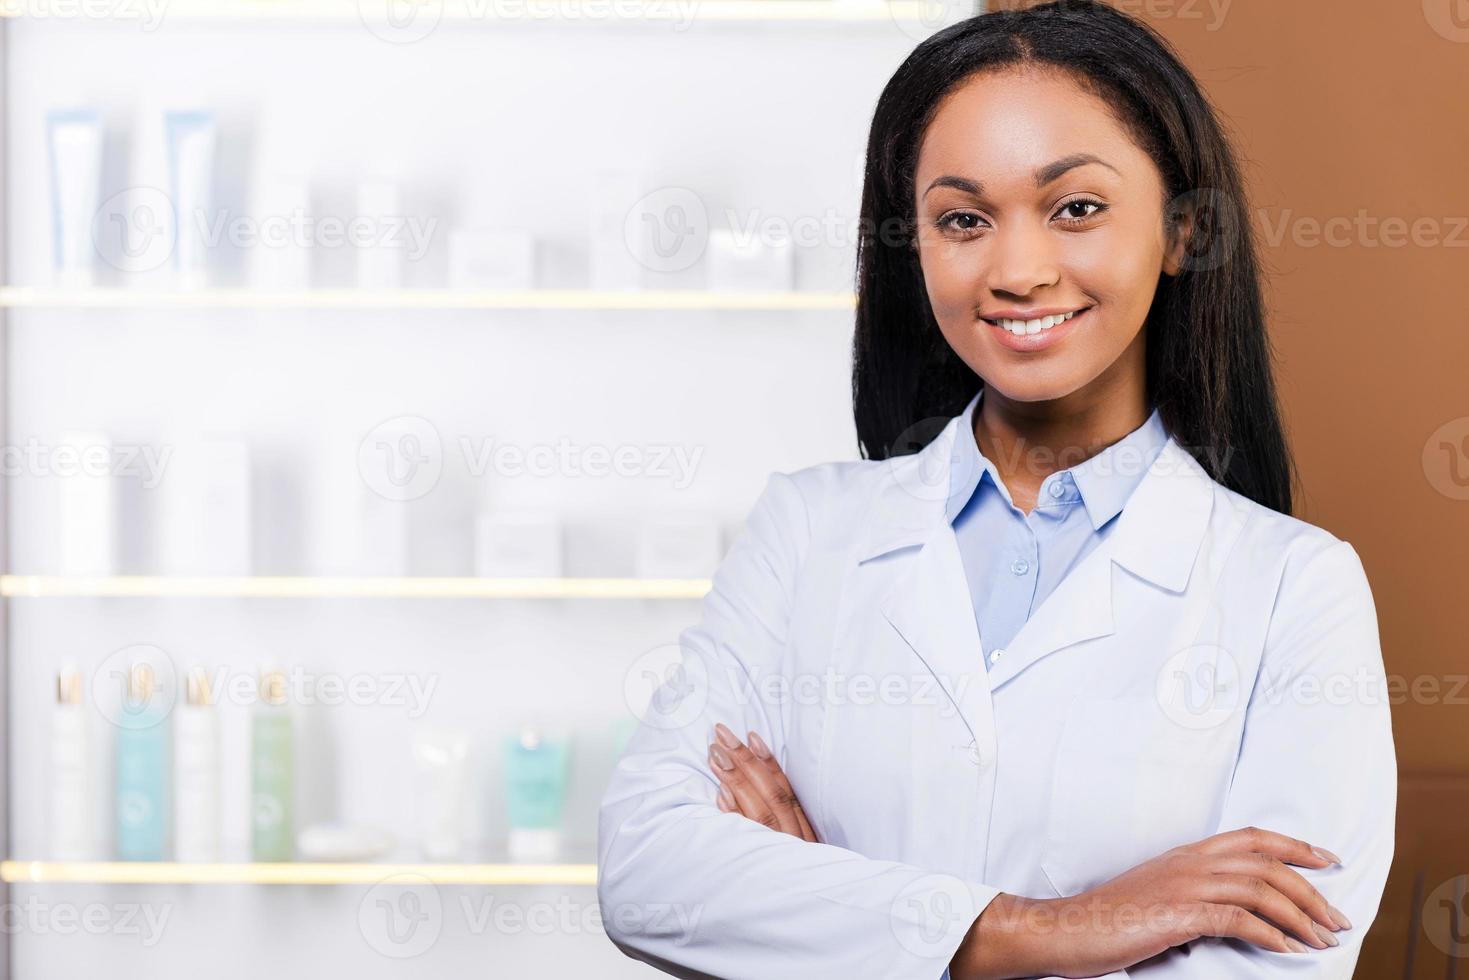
{"type": "Point", "coordinates": [1131, 780]}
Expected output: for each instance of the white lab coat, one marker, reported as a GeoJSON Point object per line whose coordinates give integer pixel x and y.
{"type": "Point", "coordinates": [1211, 664]}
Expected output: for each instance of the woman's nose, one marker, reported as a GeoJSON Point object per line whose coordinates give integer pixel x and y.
{"type": "Point", "coordinates": [1023, 259]}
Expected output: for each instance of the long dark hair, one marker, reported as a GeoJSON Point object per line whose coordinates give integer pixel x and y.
{"type": "Point", "coordinates": [1208, 354]}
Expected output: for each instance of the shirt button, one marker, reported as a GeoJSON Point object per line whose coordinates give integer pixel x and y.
{"type": "Point", "coordinates": [1020, 566]}
{"type": "Point", "coordinates": [995, 655]}
{"type": "Point", "coordinates": [1057, 489]}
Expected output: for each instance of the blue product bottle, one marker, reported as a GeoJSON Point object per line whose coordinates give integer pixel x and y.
{"type": "Point", "coordinates": [142, 770]}
{"type": "Point", "coordinates": [535, 778]}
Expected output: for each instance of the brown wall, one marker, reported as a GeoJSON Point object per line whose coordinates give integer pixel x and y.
{"type": "Point", "coordinates": [1336, 109]}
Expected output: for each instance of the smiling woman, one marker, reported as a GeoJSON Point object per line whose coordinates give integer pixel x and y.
{"type": "Point", "coordinates": [1074, 519]}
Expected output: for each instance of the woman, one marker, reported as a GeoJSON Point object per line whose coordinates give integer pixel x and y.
{"type": "Point", "coordinates": [1050, 683]}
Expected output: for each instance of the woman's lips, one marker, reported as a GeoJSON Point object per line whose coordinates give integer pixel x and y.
{"type": "Point", "coordinates": [1041, 340]}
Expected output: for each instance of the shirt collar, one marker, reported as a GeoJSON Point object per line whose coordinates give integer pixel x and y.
{"type": "Point", "coordinates": [1104, 481]}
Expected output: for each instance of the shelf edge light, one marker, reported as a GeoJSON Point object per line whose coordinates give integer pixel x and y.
{"type": "Point", "coordinates": [290, 873]}
{"type": "Point", "coordinates": [287, 587]}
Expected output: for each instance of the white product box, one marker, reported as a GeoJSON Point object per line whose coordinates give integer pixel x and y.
{"type": "Point", "coordinates": [518, 544]}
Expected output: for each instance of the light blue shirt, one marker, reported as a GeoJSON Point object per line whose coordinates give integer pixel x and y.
{"type": "Point", "coordinates": [1014, 560]}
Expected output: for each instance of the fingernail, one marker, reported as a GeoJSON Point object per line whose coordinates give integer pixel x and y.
{"type": "Point", "coordinates": [726, 798]}
{"type": "Point", "coordinates": [1296, 946]}
{"type": "Point", "coordinates": [1327, 936]}
{"type": "Point", "coordinates": [1326, 855]}
{"type": "Point", "coordinates": [758, 744]}
{"type": "Point", "coordinates": [1339, 916]}
{"type": "Point", "coordinates": [721, 758]}
{"type": "Point", "coordinates": [725, 736]}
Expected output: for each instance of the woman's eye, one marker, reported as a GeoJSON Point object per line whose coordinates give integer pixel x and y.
{"type": "Point", "coordinates": [959, 221]}
{"type": "Point", "coordinates": [1074, 212]}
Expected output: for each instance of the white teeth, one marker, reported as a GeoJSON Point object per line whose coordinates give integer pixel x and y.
{"type": "Point", "coordinates": [1022, 327]}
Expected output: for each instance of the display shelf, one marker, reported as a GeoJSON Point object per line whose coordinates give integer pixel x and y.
{"type": "Point", "coordinates": [347, 587]}
{"type": "Point", "coordinates": [486, 11]}
{"type": "Point", "coordinates": [26, 297]}
{"type": "Point", "coordinates": [289, 873]}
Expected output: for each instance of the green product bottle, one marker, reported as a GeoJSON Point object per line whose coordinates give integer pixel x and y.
{"type": "Point", "coordinates": [271, 765]}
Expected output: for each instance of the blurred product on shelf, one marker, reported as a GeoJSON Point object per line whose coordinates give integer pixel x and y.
{"type": "Point", "coordinates": [283, 260]}
{"type": "Point", "coordinates": [271, 772]}
{"type": "Point", "coordinates": [487, 259]}
{"type": "Point", "coordinates": [678, 547]}
{"type": "Point", "coordinates": [536, 771]}
{"type": "Point", "coordinates": [613, 260]}
{"type": "Point", "coordinates": [69, 817]}
{"type": "Point", "coordinates": [443, 795]}
{"type": "Point", "coordinates": [518, 544]}
{"type": "Point", "coordinates": [142, 762]}
{"type": "Point", "coordinates": [74, 139]}
{"type": "Point", "coordinates": [191, 137]}
{"type": "Point", "coordinates": [205, 511]}
{"type": "Point", "coordinates": [85, 505]}
{"type": "Point", "coordinates": [743, 261]}
{"type": "Point", "coordinates": [341, 842]}
{"type": "Point", "coordinates": [380, 258]}
{"type": "Point", "coordinates": [196, 773]}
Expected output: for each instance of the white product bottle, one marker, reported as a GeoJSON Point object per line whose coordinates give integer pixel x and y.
{"type": "Point", "coordinates": [70, 818]}
{"type": "Point", "coordinates": [196, 772]}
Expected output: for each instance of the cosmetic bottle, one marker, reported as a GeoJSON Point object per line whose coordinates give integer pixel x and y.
{"type": "Point", "coordinates": [535, 791]}
{"type": "Point", "coordinates": [196, 774]}
{"type": "Point", "coordinates": [69, 817]}
{"type": "Point", "coordinates": [271, 770]}
{"type": "Point", "coordinates": [142, 769]}
{"type": "Point", "coordinates": [442, 793]}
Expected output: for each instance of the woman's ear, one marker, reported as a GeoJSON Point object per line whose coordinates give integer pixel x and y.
{"type": "Point", "coordinates": [1180, 234]}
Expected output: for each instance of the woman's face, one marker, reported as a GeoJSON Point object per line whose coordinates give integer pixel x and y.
{"type": "Point", "coordinates": [1032, 200]}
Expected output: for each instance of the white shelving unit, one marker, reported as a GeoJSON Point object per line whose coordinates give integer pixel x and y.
{"type": "Point", "coordinates": [486, 118]}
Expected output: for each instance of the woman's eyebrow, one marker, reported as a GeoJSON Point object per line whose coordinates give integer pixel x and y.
{"type": "Point", "coordinates": [1043, 175]}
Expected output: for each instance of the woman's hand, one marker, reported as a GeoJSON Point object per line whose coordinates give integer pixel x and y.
{"type": "Point", "coordinates": [1236, 884]}
{"type": "Point", "coordinates": [751, 783]}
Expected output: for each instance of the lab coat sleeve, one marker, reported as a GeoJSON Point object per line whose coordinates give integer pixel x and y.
{"type": "Point", "coordinates": [1316, 762]}
{"type": "Point", "coordinates": [698, 892]}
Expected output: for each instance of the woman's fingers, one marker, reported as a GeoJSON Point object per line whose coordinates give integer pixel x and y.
{"type": "Point", "coordinates": [763, 753]}
{"type": "Point", "coordinates": [1289, 883]}
{"type": "Point", "coordinates": [755, 790]}
{"type": "Point", "coordinates": [1232, 921]}
{"type": "Point", "coordinates": [1279, 846]}
{"type": "Point", "coordinates": [1257, 896]}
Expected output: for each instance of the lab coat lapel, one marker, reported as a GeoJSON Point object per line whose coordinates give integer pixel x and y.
{"type": "Point", "coordinates": [928, 602]}
{"type": "Point", "coordinates": [1157, 539]}
{"type": "Point", "coordinates": [925, 594]}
